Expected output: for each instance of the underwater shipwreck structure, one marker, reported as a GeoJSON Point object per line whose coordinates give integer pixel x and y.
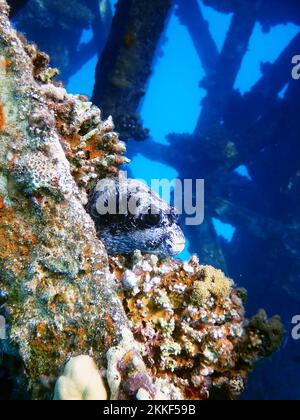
{"type": "Point", "coordinates": [64, 22]}
{"type": "Point", "coordinates": [257, 130]}
{"type": "Point", "coordinates": [143, 327]}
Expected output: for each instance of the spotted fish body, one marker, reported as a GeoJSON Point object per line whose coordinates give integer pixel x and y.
{"type": "Point", "coordinates": [129, 216]}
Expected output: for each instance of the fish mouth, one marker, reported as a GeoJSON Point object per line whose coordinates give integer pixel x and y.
{"type": "Point", "coordinates": [178, 246]}
{"type": "Point", "coordinates": [176, 240]}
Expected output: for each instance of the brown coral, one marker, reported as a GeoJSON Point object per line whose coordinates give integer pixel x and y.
{"type": "Point", "coordinates": [189, 321]}
{"type": "Point", "coordinates": [2, 118]}
{"type": "Point", "coordinates": [211, 282]}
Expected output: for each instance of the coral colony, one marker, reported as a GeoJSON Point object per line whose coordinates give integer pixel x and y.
{"type": "Point", "coordinates": [82, 325]}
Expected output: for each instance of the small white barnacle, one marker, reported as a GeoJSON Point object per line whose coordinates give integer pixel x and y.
{"type": "Point", "coordinates": [129, 216]}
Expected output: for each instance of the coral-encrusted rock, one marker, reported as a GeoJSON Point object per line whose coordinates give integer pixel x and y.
{"type": "Point", "coordinates": [92, 147]}
{"type": "Point", "coordinates": [58, 296]}
{"type": "Point", "coordinates": [189, 321]}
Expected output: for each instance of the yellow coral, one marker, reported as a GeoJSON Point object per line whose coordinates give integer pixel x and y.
{"type": "Point", "coordinates": [200, 293]}
{"type": "Point", "coordinates": [212, 283]}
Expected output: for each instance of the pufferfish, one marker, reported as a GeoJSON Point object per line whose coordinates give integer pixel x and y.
{"type": "Point", "coordinates": [129, 216]}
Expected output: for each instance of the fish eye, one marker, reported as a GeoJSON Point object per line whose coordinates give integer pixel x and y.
{"type": "Point", "coordinates": [151, 219]}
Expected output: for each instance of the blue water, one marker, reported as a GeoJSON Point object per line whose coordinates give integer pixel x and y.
{"type": "Point", "coordinates": [83, 81]}
{"type": "Point", "coordinates": [264, 47]}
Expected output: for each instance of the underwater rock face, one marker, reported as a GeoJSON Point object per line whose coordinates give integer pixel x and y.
{"type": "Point", "coordinates": [58, 296]}
{"type": "Point", "coordinates": [189, 322]}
